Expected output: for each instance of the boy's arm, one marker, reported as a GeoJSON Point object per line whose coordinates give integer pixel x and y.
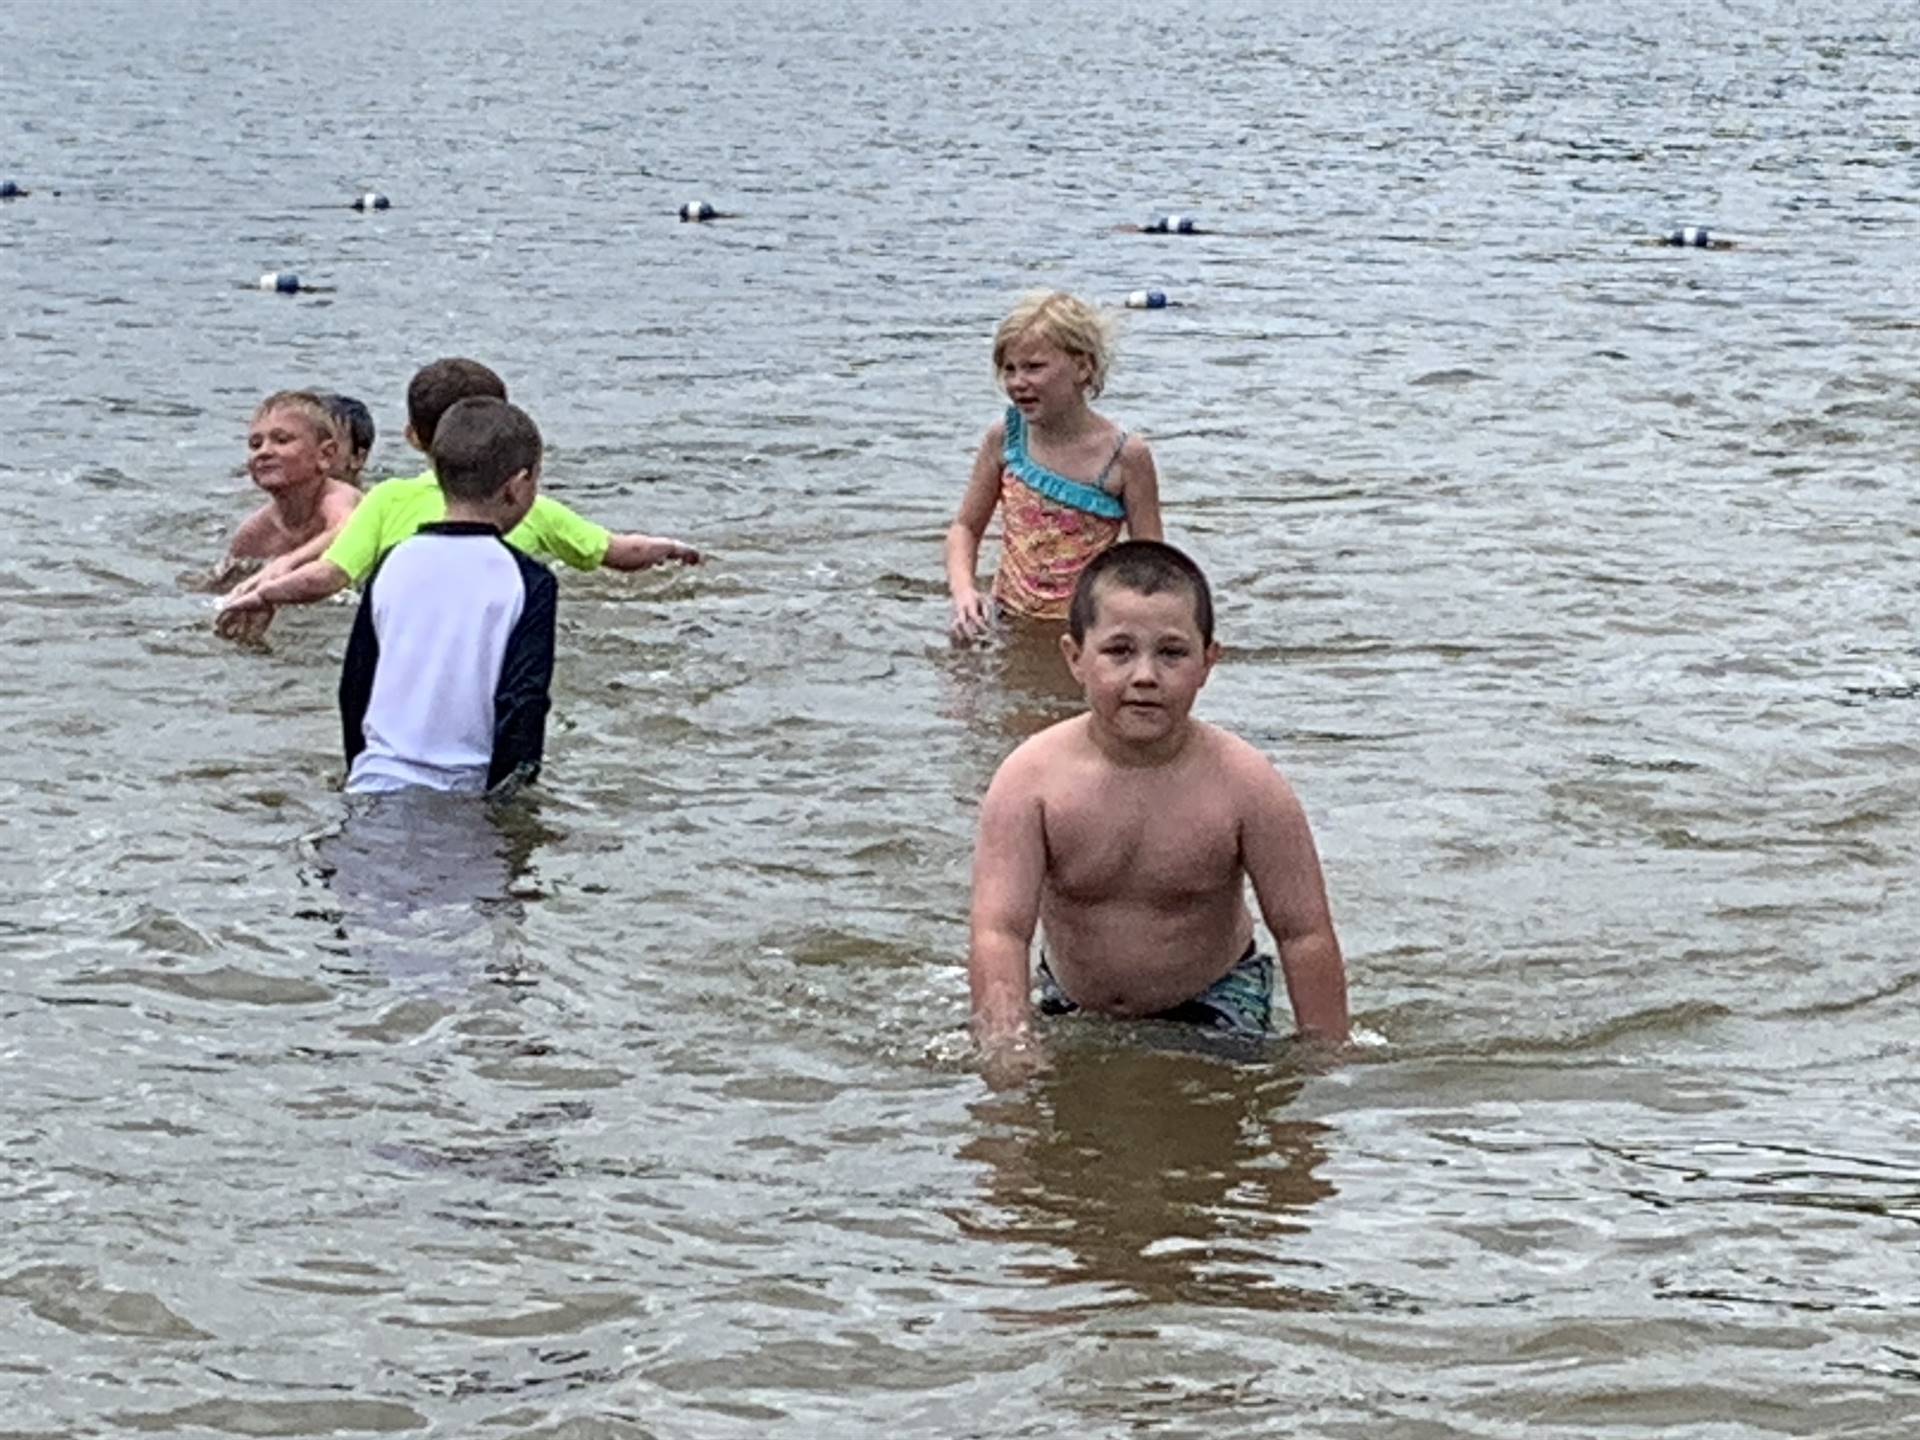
{"type": "Point", "coordinates": [1142, 492]}
{"type": "Point", "coordinates": [964, 534]}
{"type": "Point", "coordinates": [314, 581]}
{"type": "Point", "coordinates": [550, 528]}
{"type": "Point", "coordinates": [524, 693]}
{"type": "Point", "coordinates": [1280, 857]}
{"type": "Point", "coordinates": [305, 555]}
{"type": "Point", "coordinates": [640, 552]}
{"type": "Point", "coordinates": [1009, 866]}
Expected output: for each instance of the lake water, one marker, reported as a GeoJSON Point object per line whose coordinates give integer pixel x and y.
{"type": "Point", "coordinates": [1568, 578]}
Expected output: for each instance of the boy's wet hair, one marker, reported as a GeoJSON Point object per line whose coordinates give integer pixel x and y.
{"type": "Point", "coordinates": [304, 403]}
{"type": "Point", "coordinates": [1063, 320]}
{"type": "Point", "coordinates": [352, 419]}
{"type": "Point", "coordinates": [1145, 567]}
{"type": "Point", "coordinates": [481, 444]}
{"type": "Point", "coordinates": [437, 387]}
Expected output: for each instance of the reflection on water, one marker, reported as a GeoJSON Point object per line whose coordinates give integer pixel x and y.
{"type": "Point", "coordinates": [428, 885]}
{"type": "Point", "coordinates": [1007, 689]}
{"type": "Point", "coordinates": [1152, 1175]}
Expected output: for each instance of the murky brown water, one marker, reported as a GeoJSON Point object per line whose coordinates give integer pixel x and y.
{"type": "Point", "coordinates": [1570, 579]}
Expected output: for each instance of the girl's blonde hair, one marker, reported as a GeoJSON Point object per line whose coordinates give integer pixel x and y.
{"type": "Point", "coordinates": [1064, 320]}
{"type": "Point", "coordinates": [303, 402]}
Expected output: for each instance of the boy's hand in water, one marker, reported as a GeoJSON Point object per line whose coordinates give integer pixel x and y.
{"type": "Point", "coordinates": [245, 613]}
{"type": "Point", "coordinates": [972, 618]}
{"type": "Point", "coordinates": [642, 552]}
{"type": "Point", "coordinates": [1006, 1063]}
{"type": "Point", "coordinates": [245, 622]}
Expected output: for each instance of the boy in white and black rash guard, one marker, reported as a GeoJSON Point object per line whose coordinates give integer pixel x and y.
{"type": "Point", "coordinates": [447, 672]}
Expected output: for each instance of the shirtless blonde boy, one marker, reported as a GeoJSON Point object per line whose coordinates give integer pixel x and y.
{"type": "Point", "coordinates": [1128, 835]}
{"type": "Point", "coordinates": [292, 447]}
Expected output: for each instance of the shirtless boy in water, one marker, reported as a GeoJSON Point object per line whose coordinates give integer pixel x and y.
{"type": "Point", "coordinates": [292, 446]}
{"type": "Point", "coordinates": [1128, 834]}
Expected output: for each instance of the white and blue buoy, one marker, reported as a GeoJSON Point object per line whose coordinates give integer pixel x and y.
{"type": "Point", "coordinates": [1147, 300]}
{"type": "Point", "coordinates": [372, 200]}
{"type": "Point", "coordinates": [698, 210]}
{"type": "Point", "coordinates": [10, 190]}
{"type": "Point", "coordinates": [1694, 236]}
{"type": "Point", "coordinates": [281, 282]}
{"type": "Point", "coordinates": [1172, 225]}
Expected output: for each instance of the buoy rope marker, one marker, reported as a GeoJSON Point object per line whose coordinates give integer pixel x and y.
{"type": "Point", "coordinates": [372, 200]}
{"type": "Point", "coordinates": [1691, 237]}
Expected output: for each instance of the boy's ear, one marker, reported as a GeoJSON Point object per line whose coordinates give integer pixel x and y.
{"type": "Point", "coordinates": [1070, 649]}
{"type": "Point", "coordinates": [413, 439]}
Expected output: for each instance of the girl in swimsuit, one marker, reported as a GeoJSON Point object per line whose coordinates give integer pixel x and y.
{"type": "Point", "coordinates": [1067, 480]}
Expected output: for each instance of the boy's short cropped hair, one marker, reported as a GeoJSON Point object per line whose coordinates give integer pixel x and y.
{"type": "Point", "coordinates": [1145, 567]}
{"type": "Point", "coordinates": [481, 444]}
{"type": "Point", "coordinates": [1062, 320]}
{"type": "Point", "coordinates": [353, 420]}
{"type": "Point", "coordinates": [305, 404]}
{"type": "Point", "coordinates": [436, 387]}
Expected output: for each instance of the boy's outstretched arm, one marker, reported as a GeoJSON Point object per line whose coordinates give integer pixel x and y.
{"type": "Point", "coordinates": [1281, 859]}
{"type": "Point", "coordinates": [642, 552]}
{"type": "Point", "coordinates": [1009, 865]}
{"type": "Point", "coordinates": [314, 581]}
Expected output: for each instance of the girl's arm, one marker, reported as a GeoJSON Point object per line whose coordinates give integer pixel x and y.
{"type": "Point", "coordinates": [971, 613]}
{"type": "Point", "coordinates": [1141, 492]}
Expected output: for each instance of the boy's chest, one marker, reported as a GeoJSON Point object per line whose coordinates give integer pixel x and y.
{"type": "Point", "coordinates": [1151, 841]}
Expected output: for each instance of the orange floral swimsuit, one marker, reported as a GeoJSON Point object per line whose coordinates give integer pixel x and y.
{"type": "Point", "coordinates": [1052, 528]}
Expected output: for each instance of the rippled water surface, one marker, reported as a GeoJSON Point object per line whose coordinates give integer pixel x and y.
{"type": "Point", "coordinates": [1569, 578]}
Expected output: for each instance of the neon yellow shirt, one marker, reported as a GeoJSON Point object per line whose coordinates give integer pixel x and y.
{"type": "Point", "coordinates": [394, 509]}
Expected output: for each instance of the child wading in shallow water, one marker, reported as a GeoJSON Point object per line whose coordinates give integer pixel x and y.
{"type": "Point", "coordinates": [1066, 479]}
{"type": "Point", "coordinates": [1128, 835]}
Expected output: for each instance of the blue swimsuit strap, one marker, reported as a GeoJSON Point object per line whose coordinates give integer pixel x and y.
{"type": "Point", "coordinates": [1089, 499]}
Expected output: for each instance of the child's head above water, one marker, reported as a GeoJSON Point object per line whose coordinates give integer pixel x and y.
{"type": "Point", "coordinates": [1146, 567]}
{"type": "Point", "coordinates": [436, 387]}
{"type": "Point", "coordinates": [1064, 321]}
{"type": "Point", "coordinates": [354, 422]}
{"type": "Point", "coordinates": [486, 454]}
{"type": "Point", "coordinates": [292, 441]}
{"type": "Point", "coordinates": [307, 404]}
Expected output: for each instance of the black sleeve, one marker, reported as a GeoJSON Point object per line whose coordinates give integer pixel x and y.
{"type": "Point", "coordinates": [356, 674]}
{"type": "Point", "coordinates": [521, 699]}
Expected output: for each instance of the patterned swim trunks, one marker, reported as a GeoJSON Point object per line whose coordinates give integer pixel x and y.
{"type": "Point", "coordinates": [1240, 1000]}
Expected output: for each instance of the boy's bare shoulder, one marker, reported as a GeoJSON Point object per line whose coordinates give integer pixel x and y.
{"type": "Point", "coordinates": [1241, 761]}
{"type": "Point", "coordinates": [340, 500]}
